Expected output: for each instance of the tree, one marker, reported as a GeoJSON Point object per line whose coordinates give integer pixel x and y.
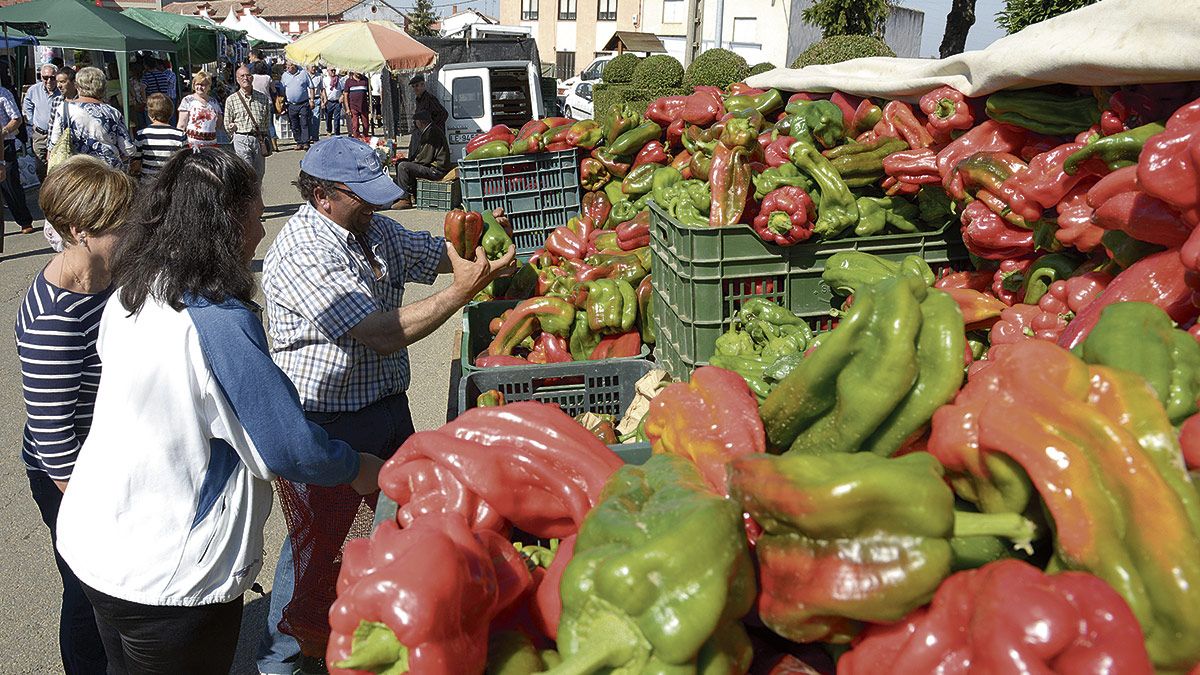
{"type": "Point", "coordinates": [848, 17]}
{"type": "Point", "coordinates": [422, 18]}
{"type": "Point", "coordinates": [958, 24]}
{"type": "Point", "coordinates": [1019, 14]}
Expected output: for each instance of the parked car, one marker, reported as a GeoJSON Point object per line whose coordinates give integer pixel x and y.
{"type": "Point", "coordinates": [589, 74]}
{"type": "Point", "coordinates": [578, 105]}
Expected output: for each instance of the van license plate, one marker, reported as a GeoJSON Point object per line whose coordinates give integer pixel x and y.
{"type": "Point", "coordinates": [460, 139]}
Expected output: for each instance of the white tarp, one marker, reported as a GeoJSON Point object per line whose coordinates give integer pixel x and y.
{"type": "Point", "coordinates": [1109, 43]}
{"type": "Point", "coordinates": [255, 28]}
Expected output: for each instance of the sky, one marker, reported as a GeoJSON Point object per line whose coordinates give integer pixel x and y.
{"type": "Point", "coordinates": [983, 33]}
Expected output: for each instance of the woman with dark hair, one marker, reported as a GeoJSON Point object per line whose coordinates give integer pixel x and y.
{"type": "Point", "coordinates": [163, 523]}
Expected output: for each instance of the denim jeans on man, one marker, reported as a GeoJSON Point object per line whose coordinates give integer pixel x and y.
{"type": "Point", "coordinates": [379, 429]}
{"type": "Point", "coordinates": [333, 117]}
{"type": "Point", "coordinates": [300, 120]}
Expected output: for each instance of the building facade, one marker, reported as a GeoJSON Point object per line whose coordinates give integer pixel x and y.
{"type": "Point", "coordinates": [570, 33]}
{"type": "Point", "coordinates": [294, 17]}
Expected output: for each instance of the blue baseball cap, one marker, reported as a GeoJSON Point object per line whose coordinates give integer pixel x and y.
{"type": "Point", "coordinates": [347, 160]}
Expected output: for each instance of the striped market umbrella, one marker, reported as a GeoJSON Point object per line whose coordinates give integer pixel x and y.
{"type": "Point", "coordinates": [362, 47]}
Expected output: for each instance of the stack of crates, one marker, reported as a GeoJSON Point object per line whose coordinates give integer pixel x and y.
{"type": "Point", "coordinates": [702, 275]}
{"type": "Point", "coordinates": [539, 192]}
{"type": "Point", "coordinates": [438, 195]}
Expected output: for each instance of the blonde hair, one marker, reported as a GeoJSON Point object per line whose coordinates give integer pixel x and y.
{"type": "Point", "coordinates": [201, 77]}
{"type": "Point", "coordinates": [90, 82]}
{"type": "Point", "coordinates": [86, 194]}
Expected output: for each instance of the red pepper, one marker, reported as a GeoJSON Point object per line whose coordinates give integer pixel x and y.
{"type": "Point", "coordinates": [785, 216]}
{"type": "Point", "coordinates": [592, 174]}
{"type": "Point", "coordinates": [975, 280]}
{"type": "Point", "coordinates": [615, 167]}
{"type": "Point", "coordinates": [1043, 185]}
{"type": "Point", "coordinates": [653, 152]}
{"type": "Point", "coordinates": [900, 122]}
{"type": "Point", "coordinates": [394, 590]}
{"type": "Point", "coordinates": [702, 108]}
{"type": "Point", "coordinates": [1189, 439]}
{"type": "Point", "coordinates": [743, 89]}
{"type": "Point", "coordinates": [1122, 180]}
{"type": "Point", "coordinates": [947, 111]}
{"type": "Point", "coordinates": [622, 345]}
{"type": "Point", "coordinates": [633, 234]}
{"type": "Point", "coordinates": [486, 360]}
{"type": "Point", "coordinates": [777, 153]}
{"type": "Point", "coordinates": [979, 310]}
{"type": "Point", "coordinates": [1144, 218]}
{"type": "Point", "coordinates": [683, 421]}
{"type": "Point", "coordinates": [464, 230]}
{"type": "Point", "coordinates": [1127, 110]}
{"type": "Point", "coordinates": [916, 167]}
{"type": "Point", "coordinates": [500, 132]}
{"type": "Point", "coordinates": [1169, 165]}
{"type": "Point", "coordinates": [596, 207]}
{"type": "Point", "coordinates": [1008, 617]}
{"type": "Point", "coordinates": [564, 243]}
{"type": "Point", "coordinates": [602, 241]}
{"type": "Point", "coordinates": [585, 134]}
{"type": "Point", "coordinates": [558, 146]}
{"type": "Point", "coordinates": [729, 174]}
{"type": "Point", "coordinates": [552, 315]}
{"type": "Point", "coordinates": [549, 348]}
{"type": "Point", "coordinates": [990, 136]}
{"type": "Point", "coordinates": [1158, 279]}
{"type": "Point", "coordinates": [1075, 227]}
{"type": "Point", "coordinates": [991, 237]}
{"type": "Point", "coordinates": [532, 128]}
{"type": "Point", "coordinates": [1008, 283]}
{"type": "Point", "coordinates": [552, 122]}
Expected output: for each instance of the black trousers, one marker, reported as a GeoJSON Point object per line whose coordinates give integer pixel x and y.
{"type": "Point", "coordinates": [78, 640]}
{"type": "Point", "coordinates": [152, 640]}
{"type": "Point", "coordinates": [407, 174]}
{"type": "Point", "coordinates": [10, 188]}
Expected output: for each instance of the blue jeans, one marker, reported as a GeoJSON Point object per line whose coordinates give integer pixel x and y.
{"type": "Point", "coordinates": [79, 641]}
{"type": "Point", "coordinates": [378, 429]}
{"type": "Point", "coordinates": [333, 117]}
{"type": "Point", "coordinates": [300, 119]}
{"type": "Point", "coordinates": [315, 124]}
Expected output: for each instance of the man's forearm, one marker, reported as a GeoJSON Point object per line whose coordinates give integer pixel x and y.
{"type": "Point", "coordinates": [388, 332]}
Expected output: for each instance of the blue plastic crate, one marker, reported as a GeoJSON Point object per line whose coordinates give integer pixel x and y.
{"type": "Point", "coordinates": [539, 192]}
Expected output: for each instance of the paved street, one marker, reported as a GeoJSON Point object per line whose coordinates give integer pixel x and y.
{"type": "Point", "coordinates": [29, 584]}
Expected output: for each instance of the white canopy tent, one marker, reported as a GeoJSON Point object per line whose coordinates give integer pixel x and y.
{"type": "Point", "coordinates": [255, 28]}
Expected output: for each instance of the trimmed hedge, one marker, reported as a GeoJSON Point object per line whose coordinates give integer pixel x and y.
{"type": "Point", "coordinates": [620, 69]}
{"type": "Point", "coordinates": [717, 68]}
{"type": "Point", "coordinates": [658, 71]}
{"type": "Point", "coordinates": [842, 48]}
{"type": "Point", "coordinates": [758, 68]}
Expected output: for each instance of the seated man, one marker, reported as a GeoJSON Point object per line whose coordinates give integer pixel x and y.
{"type": "Point", "coordinates": [428, 157]}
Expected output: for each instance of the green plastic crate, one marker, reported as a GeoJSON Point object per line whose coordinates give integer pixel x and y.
{"type": "Point", "coordinates": [539, 192]}
{"type": "Point", "coordinates": [476, 337]}
{"type": "Point", "coordinates": [438, 195]}
{"type": "Point", "coordinates": [702, 275]}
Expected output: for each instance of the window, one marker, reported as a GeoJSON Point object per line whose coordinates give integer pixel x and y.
{"type": "Point", "coordinates": [529, 10]}
{"type": "Point", "coordinates": [566, 65]}
{"type": "Point", "coordinates": [566, 12]}
{"type": "Point", "coordinates": [745, 30]}
{"type": "Point", "coordinates": [467, 96]}
{"type": "Point", "coordinates": [674, 11]}
{"type": "Point", "coordinates": [606, 10]}
{"type": "Point", "coordinates": [293, 26]}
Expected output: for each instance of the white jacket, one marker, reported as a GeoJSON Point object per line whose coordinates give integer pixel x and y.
{"type": "Point", "coordinates": [169, 496]}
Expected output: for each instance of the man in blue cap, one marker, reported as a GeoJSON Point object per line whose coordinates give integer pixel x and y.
{"type": "Point", "coordinates": [334, 283]}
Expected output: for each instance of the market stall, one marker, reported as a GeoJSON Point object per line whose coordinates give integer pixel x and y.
{"type": "Point", "coordinates": [196, 40]}
{"type": "Point", "coordinates": [932, 327]}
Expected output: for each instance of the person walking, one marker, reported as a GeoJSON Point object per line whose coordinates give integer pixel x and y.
{"type": "Point", "coordinates": [157, 80]}
{"type": "Point", "coordinates": [332, 85]}
{"type": "Point", "coordinates": [97, 128]}
{"type": "Point", "coordinates": [159, 141]}
{"type": "Point", "coordinates": [37, 105]}
{"type": "Point", "coordinates": [429, 157]}
{"type": "Point", "coordinates": [334, 282]}
{"type": "Point", "coordinates": [316, 84]}
{"type": "Point", "coordinates": [355, 95]}
{"type": "Point", "coordinates": [247, 114]}
{"type": "Point", "coordinates": [86, 202]}
{"type": "Point", "coordinates": [163, 522]}
{"type": "Point", "coordinates": [200, 113]}
{"type": "Point", "coordinates": [13, 192]}
{"type": "Point", "coordinates": [299, 96]}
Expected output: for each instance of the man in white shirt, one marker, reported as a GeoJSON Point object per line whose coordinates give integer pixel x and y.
{"type": "Point", "coordinates": [332, 85]}
{"type": "Point", "coordinates": [39, 101]}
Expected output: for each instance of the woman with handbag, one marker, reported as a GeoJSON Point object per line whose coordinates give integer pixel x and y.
{"type": "Point", "coordinates": [86, 125]}
{"type": "Point", "coordinates": [246, 119]}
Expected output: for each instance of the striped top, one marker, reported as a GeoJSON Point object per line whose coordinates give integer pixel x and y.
{"type": "Point", "coordinates": [60, 372]}
{"type": "Point", "coordinates": [159, 82]}
{"type": "Point", "coordinates": [156, 144]}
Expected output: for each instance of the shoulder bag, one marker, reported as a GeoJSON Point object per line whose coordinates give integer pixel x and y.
{"type": "Point", "coordinates": [62, 148]}
{"type": "Point", "coordinates": [264, 142]}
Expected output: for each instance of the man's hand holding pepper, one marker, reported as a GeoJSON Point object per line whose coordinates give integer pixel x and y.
{"type": "Point", "coordinates": [471, 276]}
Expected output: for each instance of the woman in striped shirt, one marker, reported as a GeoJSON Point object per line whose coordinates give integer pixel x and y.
{"type": "Point", "coordinates": [86, 201]}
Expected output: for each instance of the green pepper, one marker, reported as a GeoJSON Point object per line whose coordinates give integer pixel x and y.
{"type": "Point", "coordinates": [1117, 150]}
{"type": "Point", "coordinates": [611, 305]}
{"type": "Point", "coordinates": [876, 213]}
{"type": "Point", "coordinates": [735, 342]}
{"type": "Point", "coordinates": [622, 118]}
{"type": "Point", "coordinates": [819, 120]}
{"type": "Point", "coordinates": [523, 283]}
{"type": "Point", "coordinates": [1043, 112]}
{"type": "Point", "coordinates": [640, 179]}
{"type": "Point", "coordinates": [852, 539]}
{"type": "Point", "coordinates": [779, 176]}
{"type": "Point", "coordinates": [1045, 271]}
{"type": "Point", "coordinates": [784, 365]}
{"type": "Point", "coordinates": [1140, 337]}
{"type": "Point", "coordinates": [1125, 250]}
{"type": "Point", "coordinates": [583, 340]}
{"type": "Point", "coordinates": [614, 192]}
{"type": "Point", "coordinates": [630, 142]}
{"type": "Point", "coordinates": [623, 210]}
{"type": "Point", "coordinates": [489, 150]}
{"type": "Point", "coordinates": [766, 103]}
{"type": "Point", "coordinates": [837, 209]}
{"type": "Point", "coordinates": [660, 578]}
{"type": "Point", "coordinates": [495, 239]}
{"type": "Point", "coordinates": [936, 207]}
{"type": "Point", "coordinates": [663, 179]}
{"type": "Point", "coordinates": [864, 160]}
{"type": "Point", "coordinates": [645, 296]}
{"type": "Point", "coordinates": [759, 313]}
{"type": "Point", "coordinates": [847, 272]}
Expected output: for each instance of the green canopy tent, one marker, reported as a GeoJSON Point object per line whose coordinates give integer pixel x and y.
{"type": "Point", "coordinates": [76, 24]}
{"type": "Point", "coordinates": [194, 38]}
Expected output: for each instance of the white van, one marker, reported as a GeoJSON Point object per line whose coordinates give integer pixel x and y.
{"type": "Point", "coordinates": [480, 95]}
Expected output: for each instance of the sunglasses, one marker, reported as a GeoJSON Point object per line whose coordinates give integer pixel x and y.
{"type": "Point", "coordinates": [47, 77]}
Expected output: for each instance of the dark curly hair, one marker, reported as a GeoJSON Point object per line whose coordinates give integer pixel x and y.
{"type": "Point", "coordinates": [186, 236]}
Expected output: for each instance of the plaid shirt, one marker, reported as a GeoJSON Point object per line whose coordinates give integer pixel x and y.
{"type": "Point", "coordinates": [318, 285]}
